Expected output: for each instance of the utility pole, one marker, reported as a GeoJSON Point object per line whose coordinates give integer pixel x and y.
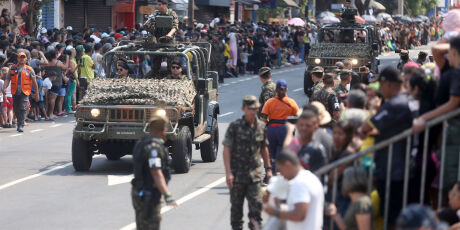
{"type": "Point", "coordinates": [191, 13]}
{"type": "Point", "coordinates": [313, 9]}
{"type": "Point", "coordinates": [401, 7]}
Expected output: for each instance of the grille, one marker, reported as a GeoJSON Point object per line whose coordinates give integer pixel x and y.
{"type": "Point", "coordinates": [126, 115]}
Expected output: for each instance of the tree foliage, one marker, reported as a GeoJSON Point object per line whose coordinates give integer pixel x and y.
{"type": "Point", "coordinates": [418, 7]}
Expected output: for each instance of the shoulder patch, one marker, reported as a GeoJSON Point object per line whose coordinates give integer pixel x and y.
{"type": "Point", "coordinates": [154, 153]}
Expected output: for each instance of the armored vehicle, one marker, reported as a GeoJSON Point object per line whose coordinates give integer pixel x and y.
{"type": "Point", "coordinates": [115, 111]}
{"type": "Point", "coordinates": [346, 40]}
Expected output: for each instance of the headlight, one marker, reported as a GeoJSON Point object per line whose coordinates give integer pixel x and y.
{"type": "Point", "coordinates": [354, 61]}
{"type": "Point", "coordinates": [317, 60]}
{"type": "Point", "coordinates": [160, 112]}
{"type": "Point", "coordinates": [95, 112]}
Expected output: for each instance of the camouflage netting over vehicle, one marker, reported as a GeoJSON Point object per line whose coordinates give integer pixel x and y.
{"type": "Point", "coordinates": [140, 92]}
{"type": "Point", "coordinates": [340, 50]}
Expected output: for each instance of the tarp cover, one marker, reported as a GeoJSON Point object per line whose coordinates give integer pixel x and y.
{"type": "Point", "coordinates": [340, 50]}
{"type": "Point", "coordinates": [140, 92]}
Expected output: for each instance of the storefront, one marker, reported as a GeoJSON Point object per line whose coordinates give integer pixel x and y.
{"type": "Point", "coordinates": [82, 14]}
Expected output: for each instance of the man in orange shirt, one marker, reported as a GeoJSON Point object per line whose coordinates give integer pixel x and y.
{"type": "Point", "coordinates": [276, 111]}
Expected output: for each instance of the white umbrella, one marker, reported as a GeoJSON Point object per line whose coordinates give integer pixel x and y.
{"type": "Point", "coordinates": [329, 19]}
{"type": "Point", "coordinates": [384, 17]}
{"type": "Point", "coordinates": [423, 17]}
{"type": "Point", "coordinates": [369, 18]}
{"type": "Point", "coordinates": [326, 14]}
{"type": "Point", "coordinates": [296, 22]}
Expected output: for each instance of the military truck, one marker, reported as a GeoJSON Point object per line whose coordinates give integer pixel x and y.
{"type": "Point", "coordinates": [346, 40]}
{"type": "Point", "coordinates": [115, 112]}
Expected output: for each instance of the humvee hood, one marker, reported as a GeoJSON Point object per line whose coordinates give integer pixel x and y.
{"type": "Point", "coordinates": [351, 50]}
{"type": "Point", "coordinates": [109, 91]}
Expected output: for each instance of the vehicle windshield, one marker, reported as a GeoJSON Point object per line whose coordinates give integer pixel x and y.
{"type": "Point", "coordinates": [147, 65]}
{"type": "Point", "coordinates": [343, 36]}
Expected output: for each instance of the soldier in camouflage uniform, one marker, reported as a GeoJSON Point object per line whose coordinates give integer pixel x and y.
{"type": "Point", "coordinates": [217, 56]}
{"type": "Point", "coordinates": [345, 79]}
{"type": "Point", "coordinates": [151, 175]}
{"type": "Point", "coordinates": [176, 71]}
{"type": "Point", "coordinates": [244, 144]}
{"type": "Point", "coordinates": [317, 78]}
{"type": "Point", "coordinates": [404, 59]}
{"type": "Point", "coordinates": [268, 88]}
{"type": "Point", "coordinates": [163, 10]}
{"type": "Point", "coordinates": [328, 97]}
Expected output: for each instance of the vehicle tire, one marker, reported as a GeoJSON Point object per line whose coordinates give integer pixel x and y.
{"type": "Point", "coordinates": [82, 155]}
{"type": "Point", "coordinates": [210, 147]}
{"type": "Point", "coordinates": [182, 151]}
{"type": "Point", "coordinates": [307, 82]}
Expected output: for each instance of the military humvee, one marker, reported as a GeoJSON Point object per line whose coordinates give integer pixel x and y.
{"type": "Point", "coordinates": [346, 40]}
{"type": "Point", "coordinates": [115, 112]}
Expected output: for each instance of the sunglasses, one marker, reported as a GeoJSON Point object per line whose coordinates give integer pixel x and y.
{"type": "Point", "coordinates": [175, 67]}
{"type": "Point", "coordinates": [120, 70]}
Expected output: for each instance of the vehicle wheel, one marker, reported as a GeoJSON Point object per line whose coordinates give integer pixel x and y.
{"type": "Point", "coordinates": [307, 82]}
{"type": "Point", "coordinates": [82, 156]}
{"type": "Point", "coordinates": [182, 151]}
{"type": "Point", "coordinates": [210, 147]}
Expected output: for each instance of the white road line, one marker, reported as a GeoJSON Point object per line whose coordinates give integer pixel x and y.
{"type": "Point", "coordinates": [183, 200]}
{"type": "Point", "coordinates": [56, 125]}
{"type": "Point", "coordinates": [225, 84]}
{"type": "Point", "coordinates": [34, 176]}
{"type": "Point", "coordinates": [36, 130]}
{"type": "Point", "coordinates": [225, 114]}
{"type": "Point", "coordinates": [16, 135]}
{"type": "Point", "coordinates": [296, 90]}
{"type": "Point", "coordinates": [72, 121]}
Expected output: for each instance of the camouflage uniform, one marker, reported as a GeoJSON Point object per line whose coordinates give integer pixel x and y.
{"type": "Point", "coordinates": [268, 91]}
{"type": "Point", "coordinates": [217, 58]}
{"type": "Point", "coordinates": [341, 89]}
{"type": "Point", "coordinates": [151, 22]}
{"type": "Point", "coordinates": [328, 98]}
{"type": "Point", "coordinates": [148, 154]}
{"type": "Point", "coordinates": [317, 86]}
{"type": "Point", "coordinates": [245, 163]}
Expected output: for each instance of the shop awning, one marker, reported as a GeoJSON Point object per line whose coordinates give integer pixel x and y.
{"type": "Point", "coordinates": [249, 2]}
{"type": "Point", "coordinates": [377, 5]}
{"type": "Point", "coordinates": [286, 3]}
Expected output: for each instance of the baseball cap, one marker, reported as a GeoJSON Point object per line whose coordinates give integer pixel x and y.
{"type": "Point", "coordinates": [416, 216]}
{"type": "Point", "coordinates": [323, 115]}
{"type": "Point", "coordinates": [390, 74]}
{"type": "Point", "coordinates": [318, 69]}
{"type": "Point", "coordinates": [264, 70]}
{"type": "Point", "coordinates": [69, 28]}
{"type": "Point", "coordinates": [251, 102]}
{"type": "Point", "coordinates": [117, 35]}
{"type": "Point", "coordinates": [105, 35]}
{"type": "Point", "coordinates": [22, 54]}
{"type": "Point", "coordinates": [44, 31]}
{"type": "Point", "coordinates": [281, 83]}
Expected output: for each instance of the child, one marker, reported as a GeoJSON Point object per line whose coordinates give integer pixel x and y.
{"type": "Point", "coordinates": [47, 84]}
{"type": "Point", "coordinates": [244, 59]}
{"type": "Point", "coordinates": [41, 101]}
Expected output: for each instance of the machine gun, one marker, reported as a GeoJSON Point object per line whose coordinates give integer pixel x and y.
{"type": "Point", "coordinates": [159, 26]}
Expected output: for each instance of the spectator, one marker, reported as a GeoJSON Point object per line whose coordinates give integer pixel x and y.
{"type": "Point", "coordinates": [305, 198]}
{"type": "Point", "coordinates": [416, 217]}
{"type": "Point", "coordinates": [97, 59]}
{"type": "Point", "coordinates": [360, 213]}
{"type": "Point", "coordinates": [87, 69]}
{"type": "Point", "coordinates": [72, 74]}
{"type": "Point", "coordinates": [7, 101]}
{"type": "Point", "coordinates": [311, 153]}
{"type": "Point", "coordinates": [2, 118]}
{"type": "Point", "coordinates": [57, 92]}
{"type": "Point", "coordinates": [36, 106]}
{"type": "Point", "coordinates": [391, 119]}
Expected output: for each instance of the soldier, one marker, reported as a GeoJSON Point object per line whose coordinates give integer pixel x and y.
{"type": "Point", "coordinates": [176, 71]}
{"type": "Point", "coordinates": [328, 97]}
{"type": "Point", "coordinates": [404, 37]}
{"type": "Point", "coordinates": [244, 144]}
{"type": "Point", "coordinates": [163, 10]}
{"type": "Point", "coordinates": [151, 176]}
{"type": "Point", "coordinates": [345, 79]}
{"type": "Point", "coordinates": [217, 56]}
{"type": "Point", "coordinates": [268, 88]}
{"type": "Point", "coordinates": [259, 49]}
{"type": "Point", "coordinates": [404, 55]}
{"type": "Point", "coordinates": [317, 77]}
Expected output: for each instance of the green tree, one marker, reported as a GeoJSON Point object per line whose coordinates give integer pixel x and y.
{"type": "Point", "coordinates": [418, 7]}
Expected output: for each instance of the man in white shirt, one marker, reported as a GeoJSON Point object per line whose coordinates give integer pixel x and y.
{"type": "Point", "coordinates": [305, 198]}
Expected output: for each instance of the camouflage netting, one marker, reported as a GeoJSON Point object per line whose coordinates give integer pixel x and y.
{"type": "Point", "coordinates": [140, 92]}
{"type": "Point", "coordinates": [340, 50]}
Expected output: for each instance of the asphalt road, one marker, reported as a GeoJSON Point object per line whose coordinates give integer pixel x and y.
{"type": "Point", "coordinates": [39, 188]}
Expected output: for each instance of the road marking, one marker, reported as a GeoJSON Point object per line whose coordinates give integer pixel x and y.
{"type": "Point", "coordinates": [34, 176]}
{"type": "Point", "coordinates": [36, 130]}
{"type": "Point", "coordinates": [114, 180]}
{"type": "Point", "coordinates": [296, 90]}
{"type": "Point", "coordinates": [56, 125]}
{"type": "Point", "coordinates": [16, 135]}
{"type": "Point", "coordinates": [225, 84]}
{"type": "Point", "coordinates": [183, 200]}
{"type": "Point", "coordinates": [72, 121]}
{"type": "Point", "coordinates": [225, 114]}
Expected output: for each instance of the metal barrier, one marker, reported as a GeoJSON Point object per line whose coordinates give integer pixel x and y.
{"type": "Point", "coordinates": [407, 134]}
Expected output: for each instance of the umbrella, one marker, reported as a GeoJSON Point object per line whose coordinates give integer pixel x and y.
{"type": "Point", "coordinates": [423, 17]}
{"type": "Point", "coordinates": [296, 22]}
{"type": "Point", "coordinates": [406, 19]}
{"type": "Point", "coordinates": [384, 17]}
{"type": "Point", "coordinates": [359, 19]}
{"type": "Point", "coordinates": [369, 18]}
{"type": "Point", "coordinates": [418, 20]}
{"type": "Point", "coordinates": [329, 19]}
{"type": "Point", "coordinates": [326, 14]}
